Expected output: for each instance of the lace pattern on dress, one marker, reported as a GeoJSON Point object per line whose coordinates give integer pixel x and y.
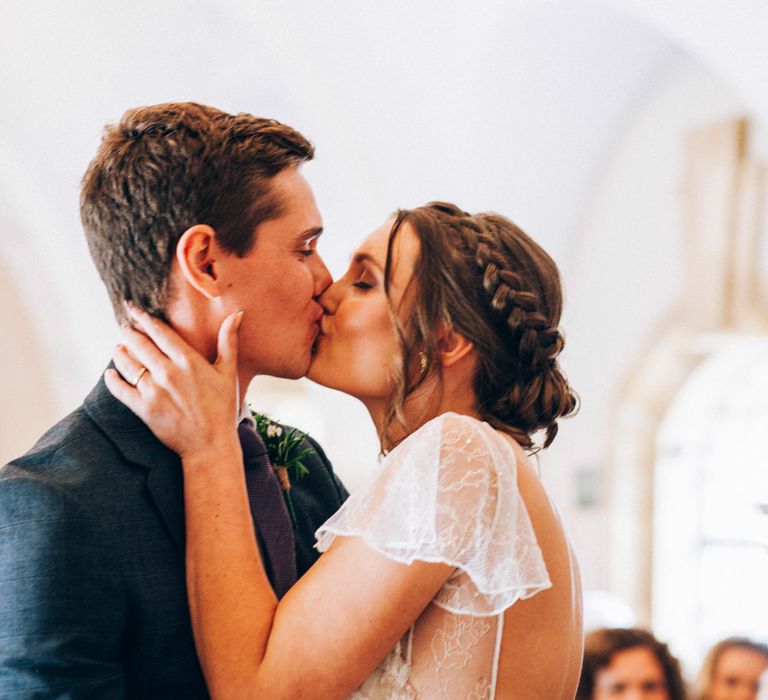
{"type": "Point", "coordinates": [447, 494]}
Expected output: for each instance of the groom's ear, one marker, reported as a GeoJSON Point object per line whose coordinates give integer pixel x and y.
{"type": "Point", "coordinates": [453, 346]}
{"type": "Point", "coordinates": [195, 253]}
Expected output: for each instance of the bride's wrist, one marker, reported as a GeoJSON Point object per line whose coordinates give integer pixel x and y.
{"type": "Point", "coordinates": [214, 456]}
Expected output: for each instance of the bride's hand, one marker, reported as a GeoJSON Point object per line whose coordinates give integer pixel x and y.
{"type": "Point", "coordinates": [189, 404]}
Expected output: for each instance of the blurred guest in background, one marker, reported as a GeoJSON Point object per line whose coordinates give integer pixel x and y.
{"type": "Point", "coordinates": [628, 663]}
{"type": "Point", "coordinates": [732, 669]}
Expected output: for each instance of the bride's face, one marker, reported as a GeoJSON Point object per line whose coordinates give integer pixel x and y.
{"type": "Point", "coordinates": [357, 349]}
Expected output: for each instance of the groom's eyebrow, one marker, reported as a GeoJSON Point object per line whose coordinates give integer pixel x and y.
{"type": "Point", "coordinates": [310, 233]}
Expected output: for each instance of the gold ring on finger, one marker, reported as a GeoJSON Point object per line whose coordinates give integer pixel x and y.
{"type": "Point", "coordinates": [141, 373]}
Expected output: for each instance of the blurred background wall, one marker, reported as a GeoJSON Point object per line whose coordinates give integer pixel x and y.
{"type": "Point", "coordinates": [627, 136]}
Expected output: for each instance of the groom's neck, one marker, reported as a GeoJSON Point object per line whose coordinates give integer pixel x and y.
{"type": "Point", "coordinates": [194, 323]}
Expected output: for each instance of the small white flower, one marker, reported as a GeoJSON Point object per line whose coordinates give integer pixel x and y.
{"type": "Point", "coordinates": [274, 430]}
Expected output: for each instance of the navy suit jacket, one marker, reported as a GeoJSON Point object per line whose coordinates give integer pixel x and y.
{"type": "Point", "coordinates": [92, 589]}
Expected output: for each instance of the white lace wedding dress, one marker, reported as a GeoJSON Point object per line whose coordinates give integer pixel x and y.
{"type": "Point", "coordinates": [448, 493]}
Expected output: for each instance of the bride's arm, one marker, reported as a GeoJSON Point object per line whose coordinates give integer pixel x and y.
{"type": "Point", "coordinates": [337, 623]}
{"type": "Point", "coordinates": [329, 631]}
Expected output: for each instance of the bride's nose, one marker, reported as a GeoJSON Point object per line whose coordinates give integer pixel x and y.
{"type": "Point", "coordinates": [330, 298]}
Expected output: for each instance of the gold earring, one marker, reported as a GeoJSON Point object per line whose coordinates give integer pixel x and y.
{"type": "Point", "coordinates": [423, 363]}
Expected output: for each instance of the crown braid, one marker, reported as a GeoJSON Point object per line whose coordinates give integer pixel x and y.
{"type": "Point", "coordinates": [524, 296]}
{"type": "Point", "coordinates": [539, 341]}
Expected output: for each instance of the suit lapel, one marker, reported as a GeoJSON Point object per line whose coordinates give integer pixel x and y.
{"type": "Point", "coordinates": [140, 447]}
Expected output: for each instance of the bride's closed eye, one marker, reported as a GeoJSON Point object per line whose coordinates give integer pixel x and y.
{"type": "Point", "coordinates": [363, 277]}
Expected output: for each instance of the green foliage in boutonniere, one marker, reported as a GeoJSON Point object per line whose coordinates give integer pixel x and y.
{"type": "Point", "coordinates": [285, 455]}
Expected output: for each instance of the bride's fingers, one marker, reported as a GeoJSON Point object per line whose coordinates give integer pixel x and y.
{"type": "Point", "coordinates": [226, 360]}
{"type": "Point", "coordinates": [129, 368]}
{"type": "Point", "coordinates": [161, 334]}
{"type": "Point", "coordinates": [147, 401]}
{"type": "Point", "coordinates": [141, 349]}
{"type": "Point", "coordinates": [124, 392]}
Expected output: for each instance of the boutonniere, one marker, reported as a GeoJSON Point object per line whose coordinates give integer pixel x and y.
{"type": "Point", "coordinates": [285, 455]}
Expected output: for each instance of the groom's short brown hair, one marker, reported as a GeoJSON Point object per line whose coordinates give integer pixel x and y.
{"type": "Point", "coordinates": [166, 167]}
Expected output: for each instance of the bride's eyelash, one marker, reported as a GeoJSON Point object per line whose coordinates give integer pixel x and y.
{"type": "Point", "coordinates": [365, 276]}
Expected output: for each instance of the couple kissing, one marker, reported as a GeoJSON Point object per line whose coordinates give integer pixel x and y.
{"type": "Point", "coordinates": [147, 548]}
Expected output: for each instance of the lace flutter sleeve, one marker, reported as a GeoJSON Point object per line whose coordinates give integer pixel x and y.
{"type": "Point", "coordinates": [448, 494]}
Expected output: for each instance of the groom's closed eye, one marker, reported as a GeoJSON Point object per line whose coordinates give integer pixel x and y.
{"type": "Point", "coordinates": [306, 242]}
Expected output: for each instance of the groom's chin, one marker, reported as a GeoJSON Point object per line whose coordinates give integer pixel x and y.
{"type": "Point", "coordinates": [298, 369]}
{"type": "Point", "coordinates": [293, 368]}
{"type": "Point", "coordinates": [295, 371]}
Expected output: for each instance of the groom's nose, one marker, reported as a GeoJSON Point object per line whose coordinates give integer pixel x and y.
{"type": "Point", "coordinates": [322, 278]}
{"type": "Point", "coordinates": [329, 299]}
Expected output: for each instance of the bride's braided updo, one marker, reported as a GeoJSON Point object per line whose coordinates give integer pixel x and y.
{"type": "Point", "coordinates": [491, 283]}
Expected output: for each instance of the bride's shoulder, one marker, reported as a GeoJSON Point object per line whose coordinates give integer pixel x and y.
{"type": "Point", "coordinates": [447, 426]}
{"type": "Point", "coordinates": [453, 430]}
{"type": "Point", "coordinates": [454, 441]}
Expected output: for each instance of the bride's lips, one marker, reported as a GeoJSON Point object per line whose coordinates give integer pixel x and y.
{"type": "Point", "coordinates": [319, 333]}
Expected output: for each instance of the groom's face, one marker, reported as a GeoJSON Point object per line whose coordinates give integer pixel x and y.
{"type": "Point", "coordinates": [277, 283]}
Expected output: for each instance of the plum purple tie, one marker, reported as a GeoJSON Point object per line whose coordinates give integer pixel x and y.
{"type": "Point", "coordinates": [271, 521]}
